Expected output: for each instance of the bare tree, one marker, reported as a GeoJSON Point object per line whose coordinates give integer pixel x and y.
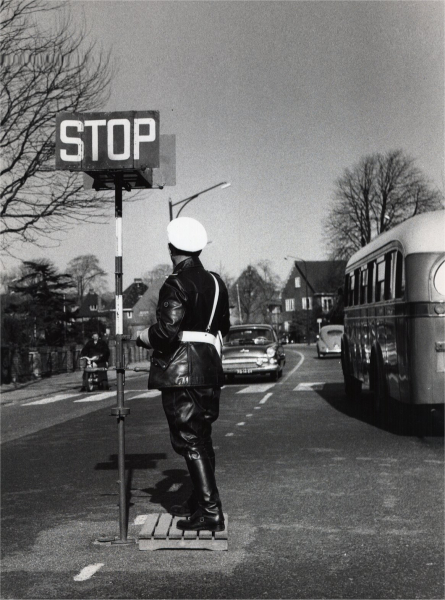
{"type": "Point", "coordinates": [86, 271]}
{"type": "Point", "coordinates": [381, 191]}
{"type": "Point", "coordinates": [46, 69]}
{"type": "Point", "coordinates": [255, 291]}
{"type": "Point", "coordinates": [162, 270]}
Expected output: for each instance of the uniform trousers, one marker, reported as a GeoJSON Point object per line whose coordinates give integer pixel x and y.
{"type": "Point", "coordinates": [190, 413]}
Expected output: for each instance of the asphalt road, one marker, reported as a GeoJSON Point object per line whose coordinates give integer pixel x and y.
{"type": "Point", "coordinates": [322, 501]}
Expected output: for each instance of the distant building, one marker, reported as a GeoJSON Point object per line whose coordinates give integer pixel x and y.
{"type": "Point", "coordinates": [93, 306]}
{"type": "Point", "coordinates": [309, 296]}
{"type": "Point", "coordinates": [144, 311]}
{"type": "Point", "coordinates": [130, 297]}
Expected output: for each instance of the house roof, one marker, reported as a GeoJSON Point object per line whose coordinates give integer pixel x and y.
{"type": "Point", "coordinates": [322, 275]}
{"type": "Point", "coordinates": [131, 295]}
{"type": "Point", "coordinates": [91, 299]}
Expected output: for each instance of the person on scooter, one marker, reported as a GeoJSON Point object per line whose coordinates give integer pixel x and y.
{"type": "Point", "coordinates": [96, 349]}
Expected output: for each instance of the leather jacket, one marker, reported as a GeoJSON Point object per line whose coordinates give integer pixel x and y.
{"type": "Point", "coordinates": [185, 304]}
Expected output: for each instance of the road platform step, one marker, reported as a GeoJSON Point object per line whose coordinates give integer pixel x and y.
{"type": "Point", "coordinates": [159, 532]}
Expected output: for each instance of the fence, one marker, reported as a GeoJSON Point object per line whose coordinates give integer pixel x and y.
{"type": "Point", "coordinates": [24, 364]}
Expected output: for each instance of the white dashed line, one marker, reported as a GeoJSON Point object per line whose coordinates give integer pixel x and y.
{"type": "Point", "coordinates": [266, 397]}
{"type": "Point", "coordinates": [56, 398]}
{"type": "Point", "coordinates": [229, 434]}
{"type": "Point", "coordinates": [309, 387]}
{"type": "Point", "coordinates": [147, 394]}
{"type": "Point", "coordinates": [241, 424]}
{"type": "Point", "coordinates": [258, 388]}
{"type": "Point", "coordinates": [88, 572]}
{"type": "Point", "coordinates": [97, 397]}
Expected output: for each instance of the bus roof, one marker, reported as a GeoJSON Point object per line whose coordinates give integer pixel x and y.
{"type": "Point", "coordinates": [423, 233]}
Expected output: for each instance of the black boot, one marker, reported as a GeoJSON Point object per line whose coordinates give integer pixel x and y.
{"type": "Point", "coordinates": [209, 515]}
{"type": "Point", "coordinates": [190, 506]}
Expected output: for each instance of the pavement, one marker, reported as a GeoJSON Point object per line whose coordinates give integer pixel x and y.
{"type": "Point", "coordinates": [64, 382]}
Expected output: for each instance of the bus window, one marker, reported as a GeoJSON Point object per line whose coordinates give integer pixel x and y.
{"type": "Point", "coordinates": [380, 280]}
{"type": "Point", "coordinates": [351, 289]}
{"type": "Point", "coordinates": [400, 276]}
{"type": "Point", "coordinates": [364, 285]}
{"type": "Point", "coordinates": [371, 286]}
{"type": "Point", "coordinates": [391, 270]}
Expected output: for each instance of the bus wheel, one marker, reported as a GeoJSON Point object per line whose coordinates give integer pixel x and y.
{"type": "Point", "coordinates": [353, 386]}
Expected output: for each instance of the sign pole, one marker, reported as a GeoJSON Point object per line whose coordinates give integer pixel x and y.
{"type": "Point", "coordinates": [120, 411]}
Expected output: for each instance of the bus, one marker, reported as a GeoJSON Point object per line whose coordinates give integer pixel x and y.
{"type": "Point", "coordinates": [394, 296]}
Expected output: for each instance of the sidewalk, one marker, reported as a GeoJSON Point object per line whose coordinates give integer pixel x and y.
{"type": "Point", "coordinates": [65, 382]}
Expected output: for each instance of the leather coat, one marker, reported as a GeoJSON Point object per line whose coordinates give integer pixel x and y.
{"type": "Point", "coordinates": [185, 304]}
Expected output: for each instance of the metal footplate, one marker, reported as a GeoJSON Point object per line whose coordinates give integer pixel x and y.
{"type": "Point", "coordinates": [159, 532]}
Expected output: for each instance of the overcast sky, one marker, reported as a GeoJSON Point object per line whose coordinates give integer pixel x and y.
{"type": "Point", "coordinates": [277, 98]}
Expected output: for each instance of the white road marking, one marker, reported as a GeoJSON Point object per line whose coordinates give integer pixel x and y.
{"type": "Point", "coordinates": [258, 388]}
{"type": "Point", "coordinates": [140, 519]}
{"type": "Point", "coordinates": [88, 572]}
{"type": "Point", "coordinates": [229, 434]}
{"type": "Point", "coordinates": [249, 415]}
{"type": "Point", "coordinates": [309, 387]}
{"type": "Point", "coordinates": [297, 366]}
{"type": "Point", "coordinates": [51, 399]}
{"type": "Point", "coordinates": [97, 397]}
{"type": "Point", "coordinates": [147, 394]}
{"type": "Point", "coordinates": [241, 424]}
{"type": "Point", "coordinates": [266, 397]}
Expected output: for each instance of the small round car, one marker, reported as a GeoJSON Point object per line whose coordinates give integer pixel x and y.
{"type": "Point", "coordinates": [252, 350]}
{"type": "Point", "coordinates": [329, 340]}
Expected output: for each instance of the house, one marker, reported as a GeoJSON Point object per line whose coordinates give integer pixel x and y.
{"type": "Point", "coordinates": [144, 311]}
{"type": "Point", "coordinates": [93, 306]}
{"type": "Point", "coordinates": [309, 296]}
{"type": "Point", "coordinates": [130, 297]}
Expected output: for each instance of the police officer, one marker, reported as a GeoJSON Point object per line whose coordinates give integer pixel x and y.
{"type": "Point", "coordinates": [192, 316]}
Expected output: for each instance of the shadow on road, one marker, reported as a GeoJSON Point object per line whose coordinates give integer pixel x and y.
{"type": "Point", "coordinates": [171, 489]}
{"type": "Point", "coordinates": [421, 421]}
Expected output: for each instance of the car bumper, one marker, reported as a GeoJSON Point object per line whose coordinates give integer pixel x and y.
{"type": "Point", "coordinates": [326, 351]}
{"type": "Point", "coordinates": [249, 369]}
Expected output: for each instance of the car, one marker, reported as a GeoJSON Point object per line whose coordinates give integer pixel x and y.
{"type": "Point", "coordinates": [252, 350]}
{"type": "Point", "coordinates": [329, 340]}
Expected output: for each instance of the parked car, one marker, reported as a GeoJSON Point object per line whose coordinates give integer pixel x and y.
{"type": "Point", "coordinates": [251, 350]}
{"type": "Point", "coordinates": [329, 340]}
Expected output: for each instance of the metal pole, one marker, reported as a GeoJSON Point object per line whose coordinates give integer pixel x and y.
{"type": "Point", "coordinates": [170, 208]}
{"type": "Point", "coordinates": [120, 411]}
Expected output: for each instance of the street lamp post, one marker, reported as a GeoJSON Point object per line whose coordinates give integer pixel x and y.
{"type": "Point", "coordinates": [184, 202]}
{"type": "Point", "coordinates": [297, 258]}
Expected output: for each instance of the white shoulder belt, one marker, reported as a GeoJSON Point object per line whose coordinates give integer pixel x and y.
{"type": "Point", "coordinates": [205, 336]}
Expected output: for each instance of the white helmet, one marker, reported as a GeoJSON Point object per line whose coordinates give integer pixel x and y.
{"type": "Point", "coordinates": [187, 234]}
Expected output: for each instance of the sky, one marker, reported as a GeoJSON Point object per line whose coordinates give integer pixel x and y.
{"type": "Point", "coordinates": [277, 98]}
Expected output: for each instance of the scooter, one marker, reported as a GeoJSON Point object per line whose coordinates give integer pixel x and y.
{"type": "Point", "coordinates": [92, 377]}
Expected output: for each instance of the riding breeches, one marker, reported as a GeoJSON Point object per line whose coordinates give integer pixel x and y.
{"type": "Point", "coordinates": [190, 413]}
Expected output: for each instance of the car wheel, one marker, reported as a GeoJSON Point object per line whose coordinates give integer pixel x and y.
{"type": "Point", "coordinates": [274, 376]}
{"type": "Point", "coordinates": [319, 354]}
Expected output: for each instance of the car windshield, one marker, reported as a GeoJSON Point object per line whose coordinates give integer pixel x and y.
{"type": "Point", "coordinates": [249, 336]}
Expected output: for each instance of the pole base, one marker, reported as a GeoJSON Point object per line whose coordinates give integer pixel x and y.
{"type": "Point", "coordinates": [115, 541]}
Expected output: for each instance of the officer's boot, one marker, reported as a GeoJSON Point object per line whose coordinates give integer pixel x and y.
{"type": "Point", "coordinates": [209, 515]}
{"type": "Point", "coordinates": [189, 506]}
